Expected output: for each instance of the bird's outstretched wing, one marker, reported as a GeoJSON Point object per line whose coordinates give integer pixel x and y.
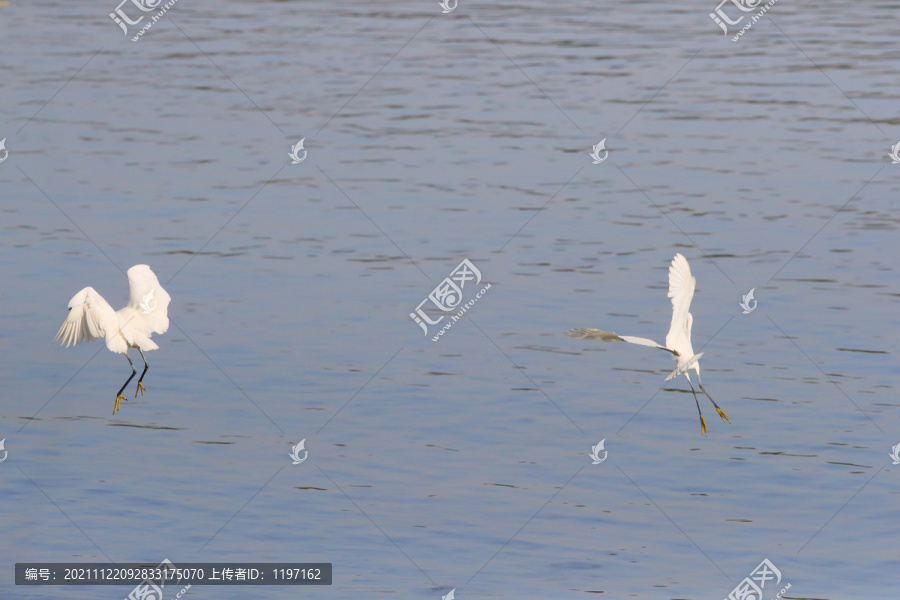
{"type": "Point", "coordinates": [148, 300]}
{"type": "Point", "coordinates": [586, 333]}
{"type": "Point", "coordinates": [681, 291]}
{"type": "Point", "coordinates": [91, 318]}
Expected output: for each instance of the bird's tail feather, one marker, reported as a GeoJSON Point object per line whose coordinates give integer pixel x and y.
{"type": "Point", "coordinates": [685, 367]}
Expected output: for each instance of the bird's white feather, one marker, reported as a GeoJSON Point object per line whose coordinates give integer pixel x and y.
{"type": "Point", "coordinates": [91, 318]}
{"type": "Point", "coordinates": [642, 341]}
{"type": "Point", "coordinates": [134, 329]}
{"type": "Point", "coordinates": [148, 300]}
{"type": "Point", "coordinates": [686, 365]}
{"type": "Point", "coordinates": [681, 291]}
{"type": "Point", "coordinates": [586, 333]}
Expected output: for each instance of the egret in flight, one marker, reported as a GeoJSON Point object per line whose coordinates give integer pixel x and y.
{"type": "Point", "coordinates": [91, 318]}
{"type": "Point", "coordinates": [678, 340]}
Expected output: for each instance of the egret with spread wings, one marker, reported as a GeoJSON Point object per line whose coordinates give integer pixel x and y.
{"type": "Point", "coordinates": [678, 340]}
{"type": "Point", "coordinates": [91, 318]}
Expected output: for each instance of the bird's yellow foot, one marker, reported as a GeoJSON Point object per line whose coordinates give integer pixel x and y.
{"type": "Point", "coordinates": [118, 398]}
{"type": "Point", "coordinates": [140, 388]}
{"type": "Point", "coordinates": [722, 414]}
{"type": "Point", "coordinates": [703, 426]}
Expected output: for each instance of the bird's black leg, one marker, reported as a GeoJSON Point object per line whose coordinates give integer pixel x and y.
{"type": "Point", "coordinates": [119, 395]}
{"type": "Point", "coordinates": [140, 386]}
{"type": "Point", "coordinates": [697, 402]}
{"type": "Point", "coordinates": [721, 412]}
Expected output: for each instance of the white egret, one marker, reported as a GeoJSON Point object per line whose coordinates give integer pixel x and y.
{"type": "Point", "coordinates": [91, 318]}
{"type": "Point", "coordinates": [678, 340]}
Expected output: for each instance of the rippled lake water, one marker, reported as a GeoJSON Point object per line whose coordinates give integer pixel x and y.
{"type": "Point", "coordinates": [433, 138]}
